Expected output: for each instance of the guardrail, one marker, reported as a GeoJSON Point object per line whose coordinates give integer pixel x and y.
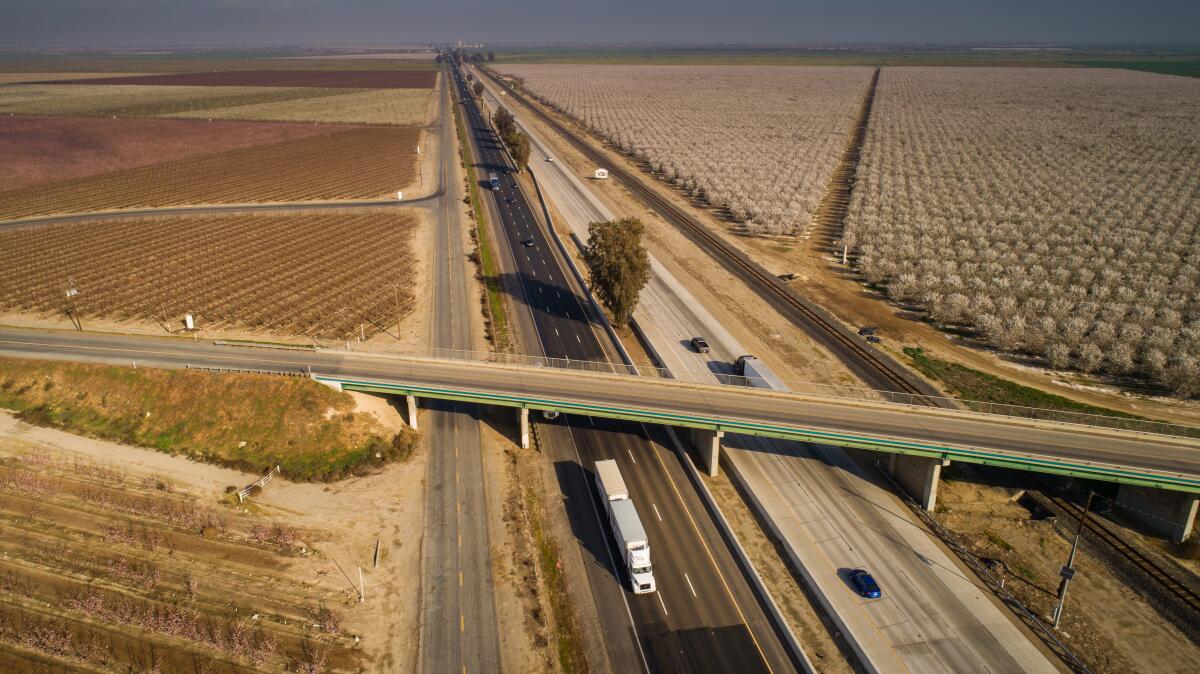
{"type": "Point", "coordinates": [831, 391]}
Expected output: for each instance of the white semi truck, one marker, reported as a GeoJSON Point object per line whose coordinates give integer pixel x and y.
{"type": "Point", "coordinates": [632, 545]}
{"type": "Point", "coordinates": [758, 375]}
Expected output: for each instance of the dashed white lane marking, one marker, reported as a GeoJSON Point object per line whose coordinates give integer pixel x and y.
{"type": "Point", "coordinates": [556, 333]}
{"type": "Point", "coordinates": [578, 339]}
{"type": "Point", "coordinates": [630, 453]}
{"type": "Point", "coordinates": [656, 513]}
{"type": "Point", "coordinates": [662, 603]}
{"type": "Point", "coordinates": [690, 586]}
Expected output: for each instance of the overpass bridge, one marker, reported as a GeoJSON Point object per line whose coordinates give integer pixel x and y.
{"type": "Point", "coordinates": [918, 439]}
{"type": "Point", "coordinates": [1159, 473]}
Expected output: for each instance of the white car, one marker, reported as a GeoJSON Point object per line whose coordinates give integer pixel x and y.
{"type": "Point", "coordinates": [550, 159]}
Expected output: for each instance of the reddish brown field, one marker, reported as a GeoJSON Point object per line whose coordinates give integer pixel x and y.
{"type": "Point", "coordinates": [44, 149]}
{"type": "Point", "coordinates": [360, 163]}
{"type": "Point", "coordinates": [353, 79]}
{"type": "Point", "coordinates": [321, 275]}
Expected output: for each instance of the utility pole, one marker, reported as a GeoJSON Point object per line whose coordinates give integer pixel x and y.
{"type": "Point", "coordinates": [397, 310]}
{"type": "Point", "coordinates": [1068, 571]}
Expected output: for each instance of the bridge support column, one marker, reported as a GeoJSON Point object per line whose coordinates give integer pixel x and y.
{"type": "Point", "coordinates": [708, 444]}
{"type": "Point", "coordinates": [524, 414]}
{"type": "Point", "coordinates": [918, 476]}
{"type": "Point", "coordinates": [1168, 513]}
{"type": "Point", "coordinates": [412, 411]}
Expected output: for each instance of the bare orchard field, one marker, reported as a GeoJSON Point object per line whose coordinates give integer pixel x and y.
{"type": "Point", "coordinates": [1052, 212]}
{"type": "Point", "coordinates": [394, 107]}
{"type": "Point", "coordinates": [112, 100]}
{"type": "Point", "coordinates": [761, 141]}
{"type": "Point", "coordinates": [289, 274]}
{"type": "Point", "coordinates": [398, 107]}
{"type": "Point", "coordinates": [118, 559]}
{"type": "Point", "coordinates": [10, 77]}
{"type": "Point", "coordinates": [357, 163]}
{"type": "Point", "coordinates": [45, 149]}
{"type": "Point", "coordinates": [356, 79]}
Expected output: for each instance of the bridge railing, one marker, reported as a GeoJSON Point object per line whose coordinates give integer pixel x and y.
{"type": "Point", "coordinates": [832, 391]}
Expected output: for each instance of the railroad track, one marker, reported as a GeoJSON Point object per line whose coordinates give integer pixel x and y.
{"type": "Point", "coordinates": [1100, 530]}
{"type": "Point", "coordinates": [877, 369]}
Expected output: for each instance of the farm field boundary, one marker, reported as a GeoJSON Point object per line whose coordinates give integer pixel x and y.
{"type": "Point", "coordinates": [353, 79]}
{"type": "Point", "coordinates": [363, 163]}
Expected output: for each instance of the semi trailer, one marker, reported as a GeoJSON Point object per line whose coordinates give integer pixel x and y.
{"type": "Point", "coordinates": [632, 545]}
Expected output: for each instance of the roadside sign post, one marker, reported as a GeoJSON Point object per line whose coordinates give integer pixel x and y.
{"type": "Point", "coordinates": [1068, 571]}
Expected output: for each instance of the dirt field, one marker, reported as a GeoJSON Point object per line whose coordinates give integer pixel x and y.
{"type": "Point", "coordinates": [143, 101]}
{"type": "Point", "coordinates": [364, 163]}
{"type": "Point", "coordinates": [394, 107]}
{"type": "Point", "coordinates": [353, 79]}
{"type": "Point", "coordinates": [120, 559]}
{"type": "Point", "coordinates": [296, 274]}
{"type": "Point", "coordinates": [9, 78]}
{"type": "Point", "coordinates": [117, 558]}
{"type": "Point", "coordinates": [44, 149]}
{"type": "Point", "coordinates": [1134, 638]}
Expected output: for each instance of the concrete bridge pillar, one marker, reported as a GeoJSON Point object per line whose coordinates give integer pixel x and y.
{"type": "Point", "coordinates": [1168, 513]}
{"type": "Point", "coordinates": [524, 414]}
{"type": "Point", "coordinates": [412, 411]}
{"type": "Point", "coordinates": [708, 444]}
{"type": "Point", "coordinates": [918, 476]}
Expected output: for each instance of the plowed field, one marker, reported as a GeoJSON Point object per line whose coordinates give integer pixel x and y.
{"type": "Point", "coordinates": [355, 79]}
{"type": "Point", "coordinates": [44, 149]}
{"type": "Point", "coordinates": [323, 275]}
{"type": "Point", "coordinates": [352, 164]}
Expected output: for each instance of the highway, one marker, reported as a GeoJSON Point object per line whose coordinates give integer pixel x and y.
{"type": "Point", "coordinates": [817, 499]}
{"type": "Point", "coordinates": [704, 616]}
{"type": "Point", "coordinates": [459, 629]}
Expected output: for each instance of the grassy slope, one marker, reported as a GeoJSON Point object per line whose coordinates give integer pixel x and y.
{"type": "Point", "coordinates": [309, 430]}
{"type": "Point", "coordinates": [974, 385]}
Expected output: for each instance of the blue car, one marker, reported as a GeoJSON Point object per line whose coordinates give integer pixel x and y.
{"type": "Point", "coordinates": [865, 584]}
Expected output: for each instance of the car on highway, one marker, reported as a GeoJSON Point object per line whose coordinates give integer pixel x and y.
{"type": "Point", "coordinates": [528, 243]}
{"type": "Point", "coordinates": [510, 200]}
{"type": "Point", "coordinates": [700, 344]}
{"type": "Point", "coordinates": [550, 159]}
{"type": "Point", "coordinates": [865, 584]}
{"type": "Point", "coordinates": [874, 340]}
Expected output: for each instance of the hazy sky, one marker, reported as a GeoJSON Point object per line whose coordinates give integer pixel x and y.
{"type": "Point", "coordinates": [111, 23]}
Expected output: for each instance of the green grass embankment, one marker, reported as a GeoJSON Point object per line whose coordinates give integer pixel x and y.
{"type": "Point", "coordinates": [245, 421]}
{"type": "Point", "coordinates": [974, 386]}
{"type": "Point", "coordinates": [497, 318]}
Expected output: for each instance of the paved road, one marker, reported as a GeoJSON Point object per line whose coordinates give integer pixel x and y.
{"type": "Point", "coordinates": [1152, 455]}
{"type": "Point", "coordinates": [830, 516]}
{"type": "Point", "coordinates": [459, 629]}
{"type": "Point", "coordinates": [704, 616]}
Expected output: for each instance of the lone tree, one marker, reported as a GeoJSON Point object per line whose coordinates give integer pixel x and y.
{"type": "Point", "coordinates": [478, 89]}
{"type": "Point", "coordinates": [518, 145]}
{"type": "Point", "coordinates": [619, 264]}
{"type": "Point", "coordinates": [503, 120]}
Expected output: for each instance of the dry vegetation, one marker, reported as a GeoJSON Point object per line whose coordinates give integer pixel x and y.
{"type": "Point", "coordinates": [761, 141]}
{"type": "Point", "coordinates": [295, 274]}
{"type": "Point", "coordinates": [345, 78]}
{"type": "Point", "coordinates": [44, 149]}
{"type": "Point", "coordinates": [394, 107]}
{"type": "Point", "coordinates": [1053, 212]}
{"type": "Point", "coordinates": [112, 573]}
{"type": "Point", "coordinates": [125, 100]}
{"type": "Point", "coordinates": [363, 163]}
{"type": "Point", "coordinates": [249, 422]}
